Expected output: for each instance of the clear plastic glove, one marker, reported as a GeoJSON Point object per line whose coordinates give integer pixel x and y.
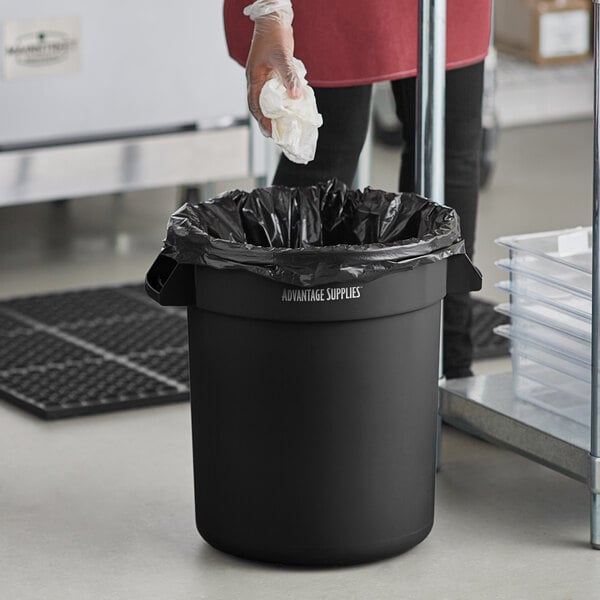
{"type": "Point", "coordinates": [294, 121]}
{"type": "Point", "coordinates": [271, 53]}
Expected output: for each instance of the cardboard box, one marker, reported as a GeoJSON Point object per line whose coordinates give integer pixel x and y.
{"type": "Point", "coordinates": [544, 31]}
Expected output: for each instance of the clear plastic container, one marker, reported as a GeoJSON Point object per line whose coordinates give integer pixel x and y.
{"type": "Point", "coordinates": [532, 292]}
{"type": "Point", "coordinates": [541, 314]}
{"type": "Point", "coordinates": [552, 339]}
{"type": "Point", "coordinates": [563, 257]}
{"type": "Point", "coordinates": [525, 280]}
{"type": "Point", "coordinates": [547, 378]}
{"type": "Point", "coordinates": [542, 354]}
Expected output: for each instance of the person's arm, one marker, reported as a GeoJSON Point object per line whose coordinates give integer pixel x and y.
{"type": "Point", "coordinates": [272, 50]}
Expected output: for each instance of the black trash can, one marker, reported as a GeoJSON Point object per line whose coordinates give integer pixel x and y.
{"type": "Point", "coordinates": [313, 408]}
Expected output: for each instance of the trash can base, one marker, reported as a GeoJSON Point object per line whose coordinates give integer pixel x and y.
{"type": "Point", "coordinates": [320, 557]}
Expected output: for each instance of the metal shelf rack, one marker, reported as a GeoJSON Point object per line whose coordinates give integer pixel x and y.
{"type": "Point", "coordinates": [486, 405]}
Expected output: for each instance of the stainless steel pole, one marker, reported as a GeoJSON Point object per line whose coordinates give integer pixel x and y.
{"type": "Point", "coordinates": [431, 97]}
{"type": "Point", "coordinates": [595, 416]}
{"type": "Point", "coordinates": [431, 109]}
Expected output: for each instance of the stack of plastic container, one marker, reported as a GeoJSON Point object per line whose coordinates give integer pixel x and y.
{"type": "Point", "coordinates": [550, 307]}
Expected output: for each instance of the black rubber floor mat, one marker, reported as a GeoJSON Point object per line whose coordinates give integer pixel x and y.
{"type": "Point", "coordinates": [159, 333]}
{"type": "Point", "coordinates": [66, 309]}
{"type": "Point", "coordinates": [68, 390]}
{"type": "Point", "coordinates": [11, 326]}
{"type": "Point", "coordinates": [34, 348]}
{"type": "Point", "coordinates": [486, 344]}
{"type": "Point", "coordinates": [91, 351]}
{"type": "Point", "coordinates": [172, 363]}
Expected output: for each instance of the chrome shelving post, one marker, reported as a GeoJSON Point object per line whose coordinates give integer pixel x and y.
{"type": "Point", "coordinates": [431, 99]}
{"type": "Point", "coordinates": [594, 480]}
{"type": "Point", "coordinates": [430, 114]}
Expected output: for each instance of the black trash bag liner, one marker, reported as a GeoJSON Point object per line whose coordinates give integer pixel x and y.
{"type": "Point", "coordinates": [316, 235]}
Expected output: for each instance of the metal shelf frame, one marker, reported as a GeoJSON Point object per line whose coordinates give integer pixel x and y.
{"type": "Point", "coordinates": [486, 406]}
{"type": "Point", "coordinates": [131, 163]}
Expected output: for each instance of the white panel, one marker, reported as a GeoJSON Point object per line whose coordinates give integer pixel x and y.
{"type": "Point", "coordinates": [144, 65]}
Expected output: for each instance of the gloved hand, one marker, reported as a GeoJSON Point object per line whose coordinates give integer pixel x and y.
{"type": "Point", "coordinates": [271, 52]}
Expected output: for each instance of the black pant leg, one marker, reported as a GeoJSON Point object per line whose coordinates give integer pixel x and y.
{"type": "Point", "coordinates": [464, 88]}
{"type": "Point", "coordinates": [405, 96]}
{"type": "Point", "coordinates": [345, 122]}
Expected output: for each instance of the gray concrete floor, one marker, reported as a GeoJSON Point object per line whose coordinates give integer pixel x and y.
{"type": "Point", "coordinates": [101, 508]}
{"type": "Point", "coordinates": [506, 528]}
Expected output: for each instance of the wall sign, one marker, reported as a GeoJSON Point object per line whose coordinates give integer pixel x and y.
{"type": "Point", "coordinates": [36, 47]}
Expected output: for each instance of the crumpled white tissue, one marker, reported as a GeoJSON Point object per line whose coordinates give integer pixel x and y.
{"type": "Point", "coordinates": [294, 122]}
